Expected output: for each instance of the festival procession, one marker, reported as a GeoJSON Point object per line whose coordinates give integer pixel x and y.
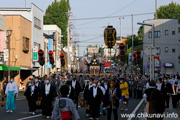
{"type": "Point", "coordinates": [90, 60]}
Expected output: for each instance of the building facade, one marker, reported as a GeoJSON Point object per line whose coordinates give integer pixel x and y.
{"type": "Point", "coordinates": [35, 16]}
{"type": "Point", "coordinates": [166, 37]}
{"type": "Point", "coordinates": [2, 43]}
{"type": "Point", "coordinates": [55, 33]}
{"type": "Point", "coordinates": [20, 46]}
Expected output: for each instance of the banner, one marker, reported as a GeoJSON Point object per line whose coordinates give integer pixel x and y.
{"type": "Point", "coordinates": [2, 40]}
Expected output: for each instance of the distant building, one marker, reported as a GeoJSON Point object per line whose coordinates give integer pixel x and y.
{"type": "Point", "coordinates": [91, 50]}
{"type": "Point", "coordinates": [118, 41]}
{"type": "Point", "coordinates": [167, 36]}
{"type": "Point", "coordinates": [54, 32]}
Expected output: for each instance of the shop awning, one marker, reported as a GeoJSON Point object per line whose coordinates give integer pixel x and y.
{"type": "Point", "coordinates": [4, 67]}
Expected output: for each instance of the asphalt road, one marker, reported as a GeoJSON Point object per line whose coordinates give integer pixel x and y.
{"type": "Point", "coordinates": [21, 113]}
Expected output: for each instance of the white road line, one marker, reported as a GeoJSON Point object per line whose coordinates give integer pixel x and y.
{"type": "Point", "coordinates": [20, 99]}
{"type": "Point", "coordinates": [137, 107]}
{"type": "Point", "coordinates": [29, 117]}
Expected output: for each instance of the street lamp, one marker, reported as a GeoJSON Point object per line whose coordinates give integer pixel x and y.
{"type": "Point", "coordinates": [153, 45]}
{"type": "Point", "coordinates": [9, 32]}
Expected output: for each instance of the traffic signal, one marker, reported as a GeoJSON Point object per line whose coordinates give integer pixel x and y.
{"type": "Point", "coordinates": [62, 59]}
{"type": "Point", "coordinates": [122, 52]}
{"type": "Point", "coordinates": [51, 58]}
{"type": "Point", "coordinates": [138, 56]}
{"type": "Point", "coordinates": [41, 57]}
{"type": "Point", "coordinates": [134, 58]}
{"type": "Point", "coordinates": [110, 36]}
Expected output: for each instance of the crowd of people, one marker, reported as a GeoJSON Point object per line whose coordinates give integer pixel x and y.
{"type": "Point", "coordinates": [58, 96]}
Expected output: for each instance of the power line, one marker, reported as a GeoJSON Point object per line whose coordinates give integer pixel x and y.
{"type": "Point", "coordinates": [114, 16]}
{"type": "Point", "coordinates": [110, 14]}
{"type": "Point", "coordinates": [88, 39]}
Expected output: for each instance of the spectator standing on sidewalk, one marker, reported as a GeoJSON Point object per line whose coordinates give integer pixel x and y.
{"type": "Point", "coordinates": [124, 93]}
{"type": "Point", "coordinates": [178, 78]}
{"type": "Point", "coordinates": [175, 95]}
{"type": "Point", "coordinates": [166, 90]}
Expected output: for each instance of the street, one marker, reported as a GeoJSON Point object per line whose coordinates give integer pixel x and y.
{"type": "Point", "coordinates": [21, 113]}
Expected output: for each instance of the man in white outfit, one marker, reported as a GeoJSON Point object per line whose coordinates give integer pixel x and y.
{"type": "Point", "coordinates": [11, 92]}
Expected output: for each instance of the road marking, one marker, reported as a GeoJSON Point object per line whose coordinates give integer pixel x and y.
{"type": "Point", "coordinates": [20, 99]}
{"type": "Point", "coordinates": [137, 107]}
{"type": "Point", "coordinates": [29, 117]}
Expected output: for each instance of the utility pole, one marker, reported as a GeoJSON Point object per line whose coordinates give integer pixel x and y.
{"type": "Point", "coordinates": [68, 38]}
{"type": "Point", "coordinates": [74, 54]}
{"type": "Point", "coordinates": [155, 9]}
{"type": "Point", "coordinates": [78, 56]}
{"type": "Point", "coordinates": [132, 43]}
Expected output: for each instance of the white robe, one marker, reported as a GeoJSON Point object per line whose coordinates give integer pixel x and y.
{"type": "Point", "coordinates": [12, 87]}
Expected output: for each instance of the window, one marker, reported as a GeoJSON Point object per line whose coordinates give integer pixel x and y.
{"type": "Point", "coordinates": [159, 51]}
{"type": "Point", "coordinates": [166, 32]}
{"type": "Point", "coordinates": [150, 34]}
{"type": "Point", "coordinates": [166, 49]}
{"type": "Point", "coordinates": [173, 50]}
{"type": "Point", "coordinates": [25, 45]}
{"type": "Point", "coordinates": [173, 32]}
{"type": "Point", "coordinates": [37, 23]}
{"type": "Point", "coordinates": [157, 34]}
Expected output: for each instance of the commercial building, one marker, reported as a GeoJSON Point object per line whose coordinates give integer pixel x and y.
{"type": "Point", "coordinates": [35, 16]}
{"type": "Point", "coordinates": [167, 42]}
{"type": "Point", "coordinates": [20, 47]}
{"type": "Point", "coordinates": [54, 33]}
{"type": "Point", "coordinates": [2, 44]}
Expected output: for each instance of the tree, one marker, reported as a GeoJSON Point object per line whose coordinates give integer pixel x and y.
{"type": "Point", "coordinates": [137, 41]}
{"type": "Point", "coordinates": [56, 13]}
{"type": "Point", "coordinates": [100, 49]}
{"type": "Point", "coordinates": [171, 11]}
{"type": "Point", "coordinates": [140, 32]}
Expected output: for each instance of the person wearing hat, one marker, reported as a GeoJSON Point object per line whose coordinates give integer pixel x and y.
{"type": "Point", "coordinates": [31, 94]}
{"type": "Point", "coordinates": [175, 94]}
{"type": "Point", "coordinates": [147, 93]}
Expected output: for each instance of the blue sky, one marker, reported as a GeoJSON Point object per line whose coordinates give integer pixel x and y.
{"type": "Point", "coordinates": [99, 8]}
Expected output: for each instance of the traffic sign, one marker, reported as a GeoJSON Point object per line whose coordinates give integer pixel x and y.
{"type": "Point", "coordinates": [35, 53]}
{"type": "Point", "coordinates": [150, 50]}
{"type": "Point", "coordinates": [6, 55]}
{"type": "Point", "coordinates": [48, 65]}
